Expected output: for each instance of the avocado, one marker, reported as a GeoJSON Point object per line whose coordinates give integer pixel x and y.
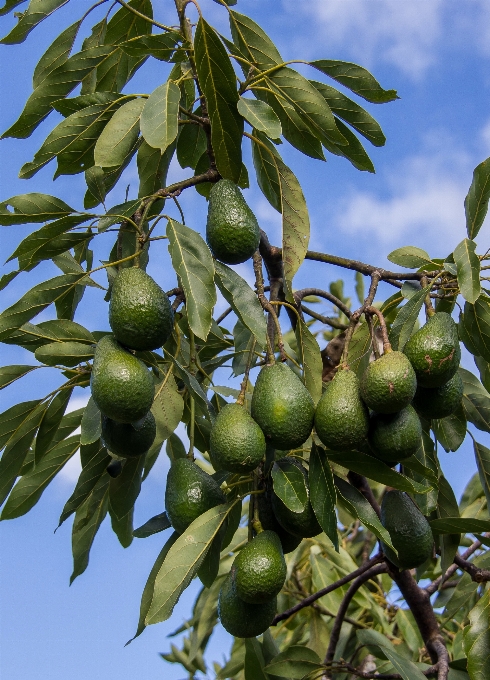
{"type": "Point", "coordinates": [303, 524]}
{"type": "Point", "coordinates": [434, 351]}
{"type": "Point", "coordinates": [389, 383]}
{"type": "Point", "coordinates": [122, 386]}
{"type": "Point", "coordinates": [189, 493]}
{"type": "Point", "coordinates": [283, 407]}
{"type": "Point", "coordinates": [341, 417]}
{"type": "Point", "coordinates": [232, 230]}
{"type": "Point", "coordinates": [259, 569]}
{"type": "Point", "coordinates": [240, 618]}
{"type": "Point", "coordinates": [268, 521]}
{"type": "Point", "coordinates": [237, 443]}
{"type": "Point", "coordinates": [129, 440]}
{"type": "Point", "coordinates": [439, 402]}
{"type": "Point", "coordinates": [410, 532]}
{"type": "Point", "coordinates": [140, 314]}
{"type": "Point", "coordinates": [395, 436]}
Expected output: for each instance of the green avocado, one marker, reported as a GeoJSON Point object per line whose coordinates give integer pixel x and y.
{"type": "Point", "coordinates": [439, 402]}
{"type": "Point", "coordinates": [129, 440]}
{"type": "Point", "coordinates": [434, 351]}
{"type": "Point", "coordinates": [237, 444]}
{"type": "Point", "coordinates": [341, 417]}
{"type": "Point", "coordinates": [410, 532]}
{"type": "Point", "coordinates": [122, 386]}
{"type": "Point", "coordinates": [283, 407]}
{"type": "Point", "coordinates": [303, 524]}
{"type": "Point", "coordinates": [189, 493]}
{"type": "Point", "coordinates": [389, 383]}
{"type": "Point", "coordinates": [395, 436]}
{"type": "Point", "coordinates": [242, 619]}
{"type": "Point", "coordinates": [259, 569]}
{"type": "Point", "coordinates": [232, 230]}
{"type": "Point", "coordinates": [269, 522]}
{"type": "Point", "coordinates": [140, 314]}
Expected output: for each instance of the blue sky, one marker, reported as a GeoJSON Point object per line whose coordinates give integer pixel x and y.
{"type": "Point", "coordinates": [436, 53]}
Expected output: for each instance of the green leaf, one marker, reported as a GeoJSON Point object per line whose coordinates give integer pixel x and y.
{"type": "Point", "coordinates": [31, 337]}
{"type": "Point", "coordinates": [295, 663]}
{"type": "Point", "coordinates": [253, 42]}
{"type": "Point", "coordinates": [153, 526]}
{"type": "Point", "coordinates": [168, 407]}
{"type": "Point", "coordinates": [95, 459]}
{"type": "Point", "coordinates": [477, 639]}
{"type": "Point", "coordinates": [208, 571]}
{"type": "Point", "coordinates": [322, 493]}
{"type": "Point", "coordinates": [152, 168]}
{"type": "Point", "coordinates": [360, 287]}
{"type": "Point", "coordinates": [355, 78]}
{"type": "Point", "coordinates": [30, 487]}
{"type": "Point", "coordinates": [32, 208]}
{"type": "Point", "coordinates": [254, 660]}
{"type": "Point", "coordinates": [464, 525]}
{"type": "Point", "coordinates": [37, 11]}
{"type": "Point", "coordinates": [183, 561]}
{"type": "Point", "coordinates": [447, 506]}
{"type": "Point", "coordinates": [311, 359]}
{"type": "Point", "coordinates": [88, 519]}
{"type": "Point", "coordinates": [352, 149]}
{"type": "Point", "coordinates": [451, 431]}
{"type": "Point", "coordinates": [360, 349]}
{"type": "Point", "coordinates": [476, 202]}
{"type": "Point", "coordinates": [476, 401]}
{"type": "Point", "coordinates": [410, 257]}
{"type": "Point", "coordinates": [125, 488]}
{"type": "Point", "coordinates": [242, 299]}
{"type": "Point", "coordinates": [196, 390]}
{"type": "Point", "coordinates": [50, 423]}
{"type": "Point", "coordinates": [260, 116]}
{"type": "Point", "coordinates": [289, 485]}
{"type": "Point", "coordinates": [462, 597]}
{"type": "Point", "coordinates": [64, 353]}
{"type": "Point", "coordinates": [9, 374]}
{"type": "Point", "coordinates": [159, 120]}
{"type": "Point", "coordinates": [406, 668]}
{"type": "Point", "coordinates": [482, 457]}
{"type": "Point", "coordinates": [191, 144]}
{"type": "Point", "coordinates": [476, 320]}
{"type": "Point", "coordinates": [9, 6]}
{"type": "Point", "coordinates": [468, 268]}
{"type": "Point", "coordinates": [265, 169]}
{"type": "Point", "coordinates": [91, 424]}
{"type": "Point", "coordinates": [119, 136]}
{"type": "Point", "coordinates": [162, 46]}
{"type": "Point", "coordinates": [376, 470]}
{"type": "Point", "coordinates": [402, 327]}
{"type": "Point", "coordinates": [357, 506]}
{"type": "Point", "coordinates": [13, 417]}
{"type": "Point", "coordinates": [194, 266]}
{"type": "Point", "coordinates": [56, 54]}
{"type": "Point", "coordinates": [218, 82]}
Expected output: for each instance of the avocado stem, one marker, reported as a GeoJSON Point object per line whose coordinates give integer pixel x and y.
{"type": "Point", "coordinates": [384, 331]}
{"type": "Point", "coordinates": [243, 386]}
{"type": "Point", "coordinates": [429, 308]}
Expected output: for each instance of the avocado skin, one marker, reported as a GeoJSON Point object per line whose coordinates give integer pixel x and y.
{"type": "Point", "coordinates": [129, 440]}
{"type": "Point", "coordinates": [269, 522]}
{"type": "Point", "coordinates": [122, 386]}
{"type": "Point", "coordinates": [140, 314]}
{"type": "Point", "coordinates": [410, 532]}
{"type": "Point", "coordinates": [232, 230]}
{"type": "Point", "coordinates": [341, 417]}
{"type": "Point", "coordinates": [242, 619]}
{"type": "Point", "coordinates": [303, 524]}
{"type": "Point", "coordinates": [434, 350]}
{"type": "Point", "coordinates": [283, 407]}
{"type": "Point", "coordinates": [395, 436]}
{"type": "Point", "coordinates": [189, 493]}
{"type": "Point", "coordinates": [259, 569]}
{"type": "Point", "coordinates": [389, 383]}
{"type": "Point", "coordinates": [237, 443]}
{"type": "Point", "coordinates": [439, 402]}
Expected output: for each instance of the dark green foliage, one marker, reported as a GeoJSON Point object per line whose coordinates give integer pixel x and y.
{"type": "Point", "coordinates": [439, 402]}
{"type": "Point", "coordinates": [268, 520]}
{"type": "Point", "coordinates": [129, 439]}
{"type": "Point", "coordinates": [237, 443]}
{"type": "Point", "coordinates": [259, 569]}
{"type": "Point", "coordinates": [240, 618]}
{"type": "Point", "coordinates": [410, 532]}
{"type": "Point", "coordinates": [304, 523]}
{"type": "Point", "coordinates": [395, 436]}
{"type": "Point", "coordinates": [389, 383]}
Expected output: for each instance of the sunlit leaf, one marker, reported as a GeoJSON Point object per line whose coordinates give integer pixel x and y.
{"type": "Point", "coordinates": [289, 485]}
{"type": "Point", "coordinates": [468, 268]}
{"type": "Point", "coordinates": [476, 202]}
{"type": "Point", "coordinates": [159, 120]}
{"type": "Point", "coordinates": [322, 493]}
{"type": "Point", "coordinates": [119, 135]}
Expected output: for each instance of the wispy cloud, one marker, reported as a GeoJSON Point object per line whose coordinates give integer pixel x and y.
{"type": "Point", "coordinates": [71, 471]}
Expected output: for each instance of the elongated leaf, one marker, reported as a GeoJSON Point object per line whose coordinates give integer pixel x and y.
{"type": "Point", "coordinates": [37, 11]}
{"type": "Point", "coordinates": [194, 266]}
{"type": "Point", "coordinates": [9, 5]}
{"type": "Point", "coordinates": [376, 470]}
{"type": "Point", "coordinates": [476, 401]}
{"type": "Point", "coordinates": [125, 488]}
{"type": "Point", "coordinates": [32, 336]}
{"type": "Point", "coordinates": [191, 145]}
{"type": "Point", "coordinates": [153, 526]}
{"type": "Point", "coordinates": [476, 320]}
{"type": "Point", "coordinates": [322, 494]}
{"type": "Point", "coordinates": [406, 668]}
{"type": "Point", "coordinates": [50, 423]}
{"type": "Point", "coordinates": [447, 506]}
{"type": "Point", "coordinates": [402, 328]}
{"type": "Point", "coordinates": [289, 485]}
{"type": "Point", "coordinates": [468, 268]}
{"type": "Point", "coordinates": [482, 457]}
{"type": "Point", "coordinates": [88, 519]}
{"type": "Point", "coordinates": [183, 561]}
{"type": "Point", "coordinates": [311, 360]}
{"type": "Point", "coordinates": [95, 459]}
{"type": "Point", "coordinates": [30, 487]}
{"type": "Point", "coordinates": [410, 257]}
{"type": "Point", "coordinates": [476, 202]}
{"type": "Point", "coordinates": [464, 525]}
{"type": "Point", "coordinates": [64, 353]}
{"type": "Point", "coordinates": [56, 54]}
{"type": "Point", "coordinates": [356, 79]}
{"type": "Point", "coordinates": [153, 168]}
{"type": "Point", "coordinates": [167, 408]}
{"type": "Point", "coordinates": [477, 639]}
{"type": "Point", "coordinates": [162, 46]}
{"type": "Point", "coordinates": [254, 660]}
{"type": "Point", "coordinates": [13, 417]}
{"type": "Point", "coordinates": [352, 149]}
{"type": "Point", "coordinates": [91, 423]}
{"type": "Point", "coordinates": [218, 82]}
{"type": "Point", "coordinates": [295, 662]}
{"type": "Point", "coordinates": [253, 42]}
{"type": "Point", "coordinates": [196, 390]}
{"type": "Point", "coordinates": [461, 597]}
{"type": "Point", "coordinates": [9, 374]}
{"type": "Point", "coordinates": [119, 135]}
{"type": "Point", "coordinates": [260, 116]}
{"type": "Point", "coordinates": [242, 299]}
{"type": "Point", "coordinates": [359, 507]}
{"type": "Point", "coordinates": [265, 169]}
{"type": "Point", "coordinates": [32, 208]}
{"type": "Point", "coordinates": [451, 431]}
{"type": "Point", "coordinates": [159, 120]}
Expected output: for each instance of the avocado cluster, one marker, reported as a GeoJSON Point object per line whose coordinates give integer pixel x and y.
{"type": "Point", "coordinates": [141, 318]}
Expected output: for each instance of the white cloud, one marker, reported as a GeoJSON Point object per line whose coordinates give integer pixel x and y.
{"type": "Point", "coordinates": [71, 471]}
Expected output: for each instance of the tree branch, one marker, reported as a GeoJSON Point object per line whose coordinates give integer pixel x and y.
{"type": "Point", "coordinates": [432, 587]}
{"type": "Point", "coordinates": [477, 575]}
{"type": "Point", "coordinates": [305, 292]}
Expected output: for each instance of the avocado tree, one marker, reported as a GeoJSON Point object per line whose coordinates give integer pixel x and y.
{"type": "Point", "coordinates": [312, 507]}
